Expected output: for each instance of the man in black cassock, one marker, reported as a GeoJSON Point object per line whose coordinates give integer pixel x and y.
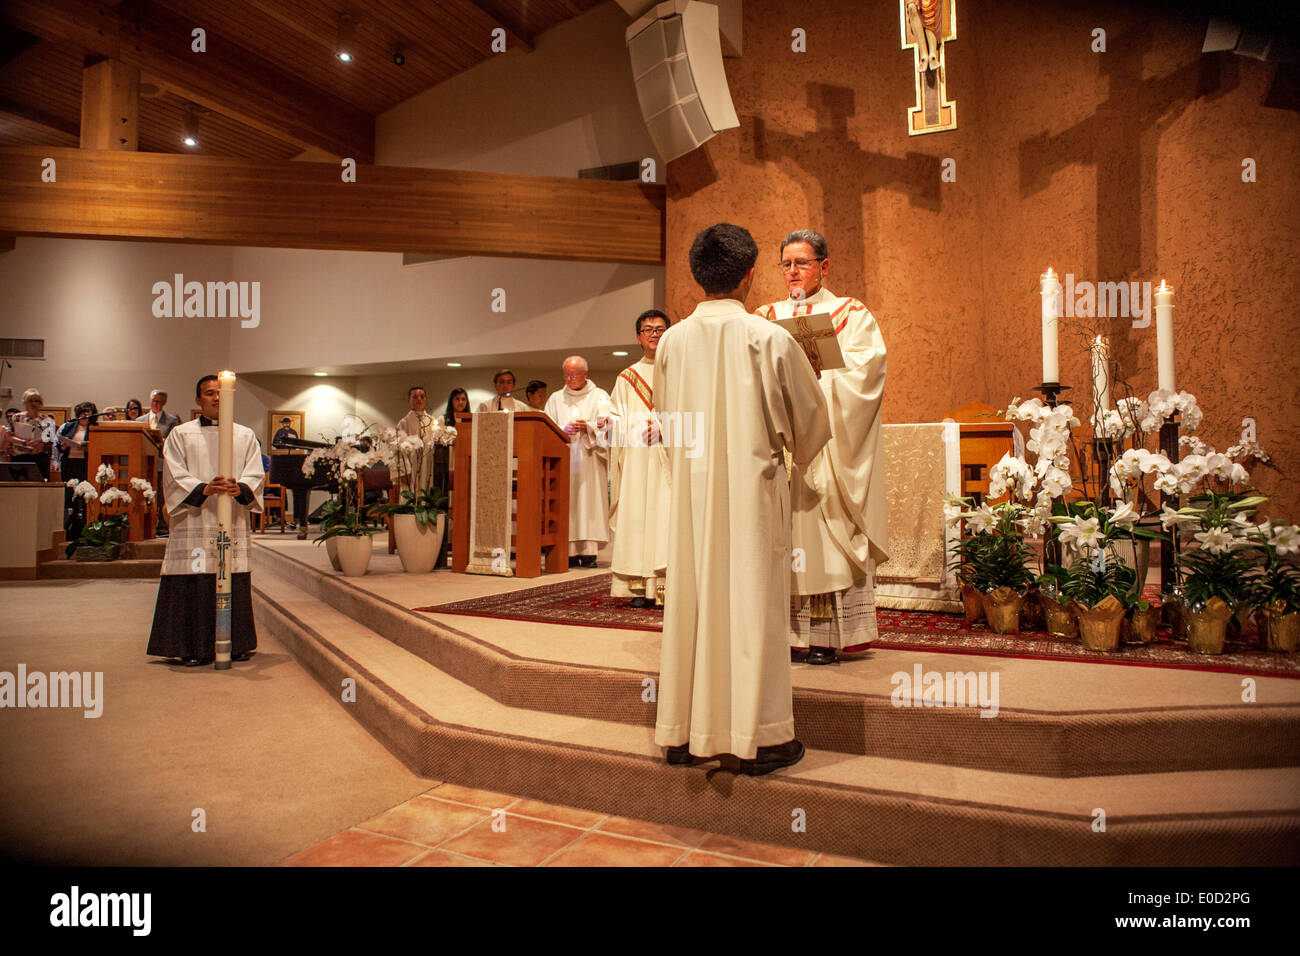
{"type": "Point", "coordinates": [184, 622]}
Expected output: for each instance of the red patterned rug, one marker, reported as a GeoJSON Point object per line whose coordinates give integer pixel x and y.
{"type": "Point", "coordinates": [586, 602]}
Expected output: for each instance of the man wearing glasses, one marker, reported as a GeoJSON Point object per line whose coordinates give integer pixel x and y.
{"type": "Point", "coordinates": [839, 523]}
{"type": "Point", "coordinates": [582, 410]}
{"type": "Point", "coordinates": [638, 476]}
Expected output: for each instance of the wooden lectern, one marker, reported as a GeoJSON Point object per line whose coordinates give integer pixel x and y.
{"type": "Point", "coordinates": [541, 494]}
{"type": "Point", "coordinates": [985, 438]}
{"type": "Point", "coordinates": [132, 450]}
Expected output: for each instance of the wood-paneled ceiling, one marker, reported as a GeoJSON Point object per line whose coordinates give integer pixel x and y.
{"type": "Point", "coordinates": [269, 84]}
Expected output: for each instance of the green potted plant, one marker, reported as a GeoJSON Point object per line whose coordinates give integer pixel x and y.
{"type": "Point", "coordinates": [350, 533]}
{"type": "Point", "coordinates": [994, 561]}
{"type": "Point", "coordinates": [418, 524]}
{"type": "Point", "coordinates": [1273, 587]}
{"type": "Point", "coordinates": [1098, 583]}
{"type": "Point", "coordinates": [1214, 574]}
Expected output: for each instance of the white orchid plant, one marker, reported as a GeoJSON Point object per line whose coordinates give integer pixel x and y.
{"type": "Point", "coordinates": [108, 530]}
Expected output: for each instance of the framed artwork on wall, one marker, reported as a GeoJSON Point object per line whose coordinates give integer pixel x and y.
{"type": "Point", "coordinates": [60, 413]}
{"type": "Point", "coordinates": [283, 423]}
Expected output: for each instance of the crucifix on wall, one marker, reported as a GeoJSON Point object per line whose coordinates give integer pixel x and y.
{"type": "Point", "coordinates": [926, 26]}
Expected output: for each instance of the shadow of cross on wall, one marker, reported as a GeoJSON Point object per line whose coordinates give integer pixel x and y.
{"type": "Point", "coordinates": [837, 175]}
{"type": "Point", "coordinates": [1121, 141]}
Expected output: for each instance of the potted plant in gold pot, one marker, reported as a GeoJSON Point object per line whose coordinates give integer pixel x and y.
{"type": "Point", "coordinates": [994, 560]}
{"type": "Point", "coordinates": [1273, 587]}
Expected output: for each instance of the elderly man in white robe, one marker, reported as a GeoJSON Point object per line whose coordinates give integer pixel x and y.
{"type": "Point", "coordinates": [838, 510]}
{"type": "Point", "coordinates": [638, 476]}
{"type": "Point", "coordinates": [185, 617]}
{"type": "Point", "coordinates": [582, 410]}
{"type": "Point", "coordinates": [724, 677]}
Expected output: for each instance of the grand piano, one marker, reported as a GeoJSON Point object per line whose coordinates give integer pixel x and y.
{"type": "Point", "coordinates": [286, 470]}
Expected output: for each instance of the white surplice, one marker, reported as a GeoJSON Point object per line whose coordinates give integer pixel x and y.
{"type": "Point", "coordinates": [839, 512]}
{"type": "Point", "coordinates": [505, 403]}
{"type": "Point", "coordinates": [588, 465]}
{"type": "Point", "coordinates": [638, 488]}
{"type": "Point", "coordinates": [190, 460]}
{"type": "Point", "coordinates": [733, 392]}
{"type": "Point", "coordinates": [420, 424]}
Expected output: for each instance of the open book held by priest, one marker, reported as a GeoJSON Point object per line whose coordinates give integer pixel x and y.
{"type": "Point", "coordinates": [816, 336]}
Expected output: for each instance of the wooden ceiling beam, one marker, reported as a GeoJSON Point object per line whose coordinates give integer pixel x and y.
{"type": "Point", "coordinates": [68, 132]}
{"type": "Point", "coordinates": [226, 79]}
{"type": "Point", "coordinates": [110, 106]}
{"type": "Point", "coordinates": [155, 196]}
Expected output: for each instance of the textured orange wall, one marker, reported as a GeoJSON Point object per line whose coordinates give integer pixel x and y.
{"type": "Point", "coordinates": [1115, 166]}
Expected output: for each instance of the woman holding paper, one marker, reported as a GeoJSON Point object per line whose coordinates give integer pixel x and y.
{"type": "Point", "coordinates": [33, 433]}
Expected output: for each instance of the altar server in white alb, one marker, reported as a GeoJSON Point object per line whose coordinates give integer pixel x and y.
{"type": "Point", "coordinates": [638, 476]}
{"type": "Point", "coordinates": [839, 519]}
{"type": "Point", "coordinates": [184, 622]}
{"type": "Point", "coordinates": [724, 676]}
{"type": "Point", "coordinates": [583, 411]}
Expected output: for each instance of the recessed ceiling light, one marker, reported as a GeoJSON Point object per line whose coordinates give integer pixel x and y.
{"type": "Point", "coordinates": [320, 374]}
{"type": "Point", "coordinates": [347, 39]}
{"type": "Point", "coordinates": [190, 128]}
{"type": "Point", "coordinates": [453, 365]}
{"type": "Point", "coordinates": [620, 353]}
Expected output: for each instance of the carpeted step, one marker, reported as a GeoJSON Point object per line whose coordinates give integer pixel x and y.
{"type": "Point", "coordinates": [153, 548]}
{"type": "Point", "coordinates": [900, 811]}
{"type": "Point", "coordinates": [121, 568]}
{"type": "Point", "coordinates": [1044, 726]}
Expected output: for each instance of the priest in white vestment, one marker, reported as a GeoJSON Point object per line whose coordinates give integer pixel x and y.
{"type": "Point", "coordinates": [583, 411]}
{"type": "Point", "coordinates": [419, 422]}
{"type": "Point", "coordinates": [184, 624]}
{"type": "Point", "coordinates": [638, 476]}
{"type": "Point", "coordinates": [504, 400]}
{"type": "Point", "coordinates": [734, 393]}
{"type": "Point", "coordinates": [838, 509]}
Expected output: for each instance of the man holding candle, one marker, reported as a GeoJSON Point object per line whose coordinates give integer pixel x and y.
{"type": "Point", "coordinates": [839, 522]}
{"type": "Point", "coordinates": [184, 624]}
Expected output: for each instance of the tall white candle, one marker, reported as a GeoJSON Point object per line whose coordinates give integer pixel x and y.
{"type": "Point", "coordinates": [1049, 287]}
{"type": "Point", "coordinates": [1165, 336]}
{"type": "Point", "coordinates": [226, 468]}
{"type": "Point", "coordinates": [1101, 373]}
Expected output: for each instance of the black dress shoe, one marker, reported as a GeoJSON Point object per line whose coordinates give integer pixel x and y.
{"type": "Point", "coordinates": [680, 756]}
{"type": "Point", "coordinates": [821, 655]}
{"type": "Point", "coordinates": [241, 657]}
{"type": "Point", "coordinates": [191, 661]}
{"type": "Point", "coordinates": [642, 602]}
{"type": "Point", "coordinates": [575, 561]}
{"type": "Point", "coordinates": [588, 560]}
{"type": "Point", "coordinates": [773, 758]}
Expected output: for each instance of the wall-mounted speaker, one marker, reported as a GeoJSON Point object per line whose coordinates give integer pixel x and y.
{"type": "Point", "coordinates": [676, 57]}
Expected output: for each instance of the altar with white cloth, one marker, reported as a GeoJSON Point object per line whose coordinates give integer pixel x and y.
{"type": "Point", "coordinates": [923, 463]}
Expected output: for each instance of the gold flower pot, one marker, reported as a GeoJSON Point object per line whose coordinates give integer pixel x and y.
{"type": "Point", "coordinates": [1141, 628]}
{"type": "Point", "coordinates": [1207, 630]}
{"type": "Point", "coordinates": [1100, 625]}
{"type": "Point", "coordinates": [1060, 619]}
{"type": "Point", "coordinates": [1002, 608]}
{"type": "Point", "coordinates": [1280, 630]}
{"type": "Point", "coordinates": [1032, 614]}
{"type": "Point", "coordinates": [973, 604]}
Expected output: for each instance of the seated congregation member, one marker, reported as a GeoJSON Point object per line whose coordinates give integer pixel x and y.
{"type": "Point", "coordinates": [184, 623]}
{"type": "Point", "coordinates": [504, 382]}
{"type": "Point", "coordinates": [33, 433]}
{"type": "Point", "coordinates": [536, 395]}
{"type": "Point", "coordinates": [457, 401]}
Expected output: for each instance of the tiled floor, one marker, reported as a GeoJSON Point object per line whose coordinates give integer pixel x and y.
{"type": "Point", "coordinates": [450, 825]}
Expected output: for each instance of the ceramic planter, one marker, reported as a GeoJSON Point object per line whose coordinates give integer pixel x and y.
{"type": "Point", "coordinates": [1207, 630]}
{"type": "Point", "coordinates": [417, 546]}
{"type": "Point", "coordinates": [1279, 630]}
{"type": "Point", "coordinates": [354, 553]}
{"type": "Point", "coordinates": [1100, 625]}
{"type": "Point", "coordinates": [1002, 608]}
{"type": "Point", "coordinates": [1060, 619]}
{"type": "Point", "coordinates": [332, 550]}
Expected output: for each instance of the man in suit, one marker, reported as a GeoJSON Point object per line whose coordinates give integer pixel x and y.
{"type": "Point", "coordinates": [158, 417]}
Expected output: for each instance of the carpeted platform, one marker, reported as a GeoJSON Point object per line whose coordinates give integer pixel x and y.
{"type": "Point", "coordinates": [586, 602]}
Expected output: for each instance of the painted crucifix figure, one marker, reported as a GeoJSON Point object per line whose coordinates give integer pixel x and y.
{"type": "Point", "coordinates": [926, 26]}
